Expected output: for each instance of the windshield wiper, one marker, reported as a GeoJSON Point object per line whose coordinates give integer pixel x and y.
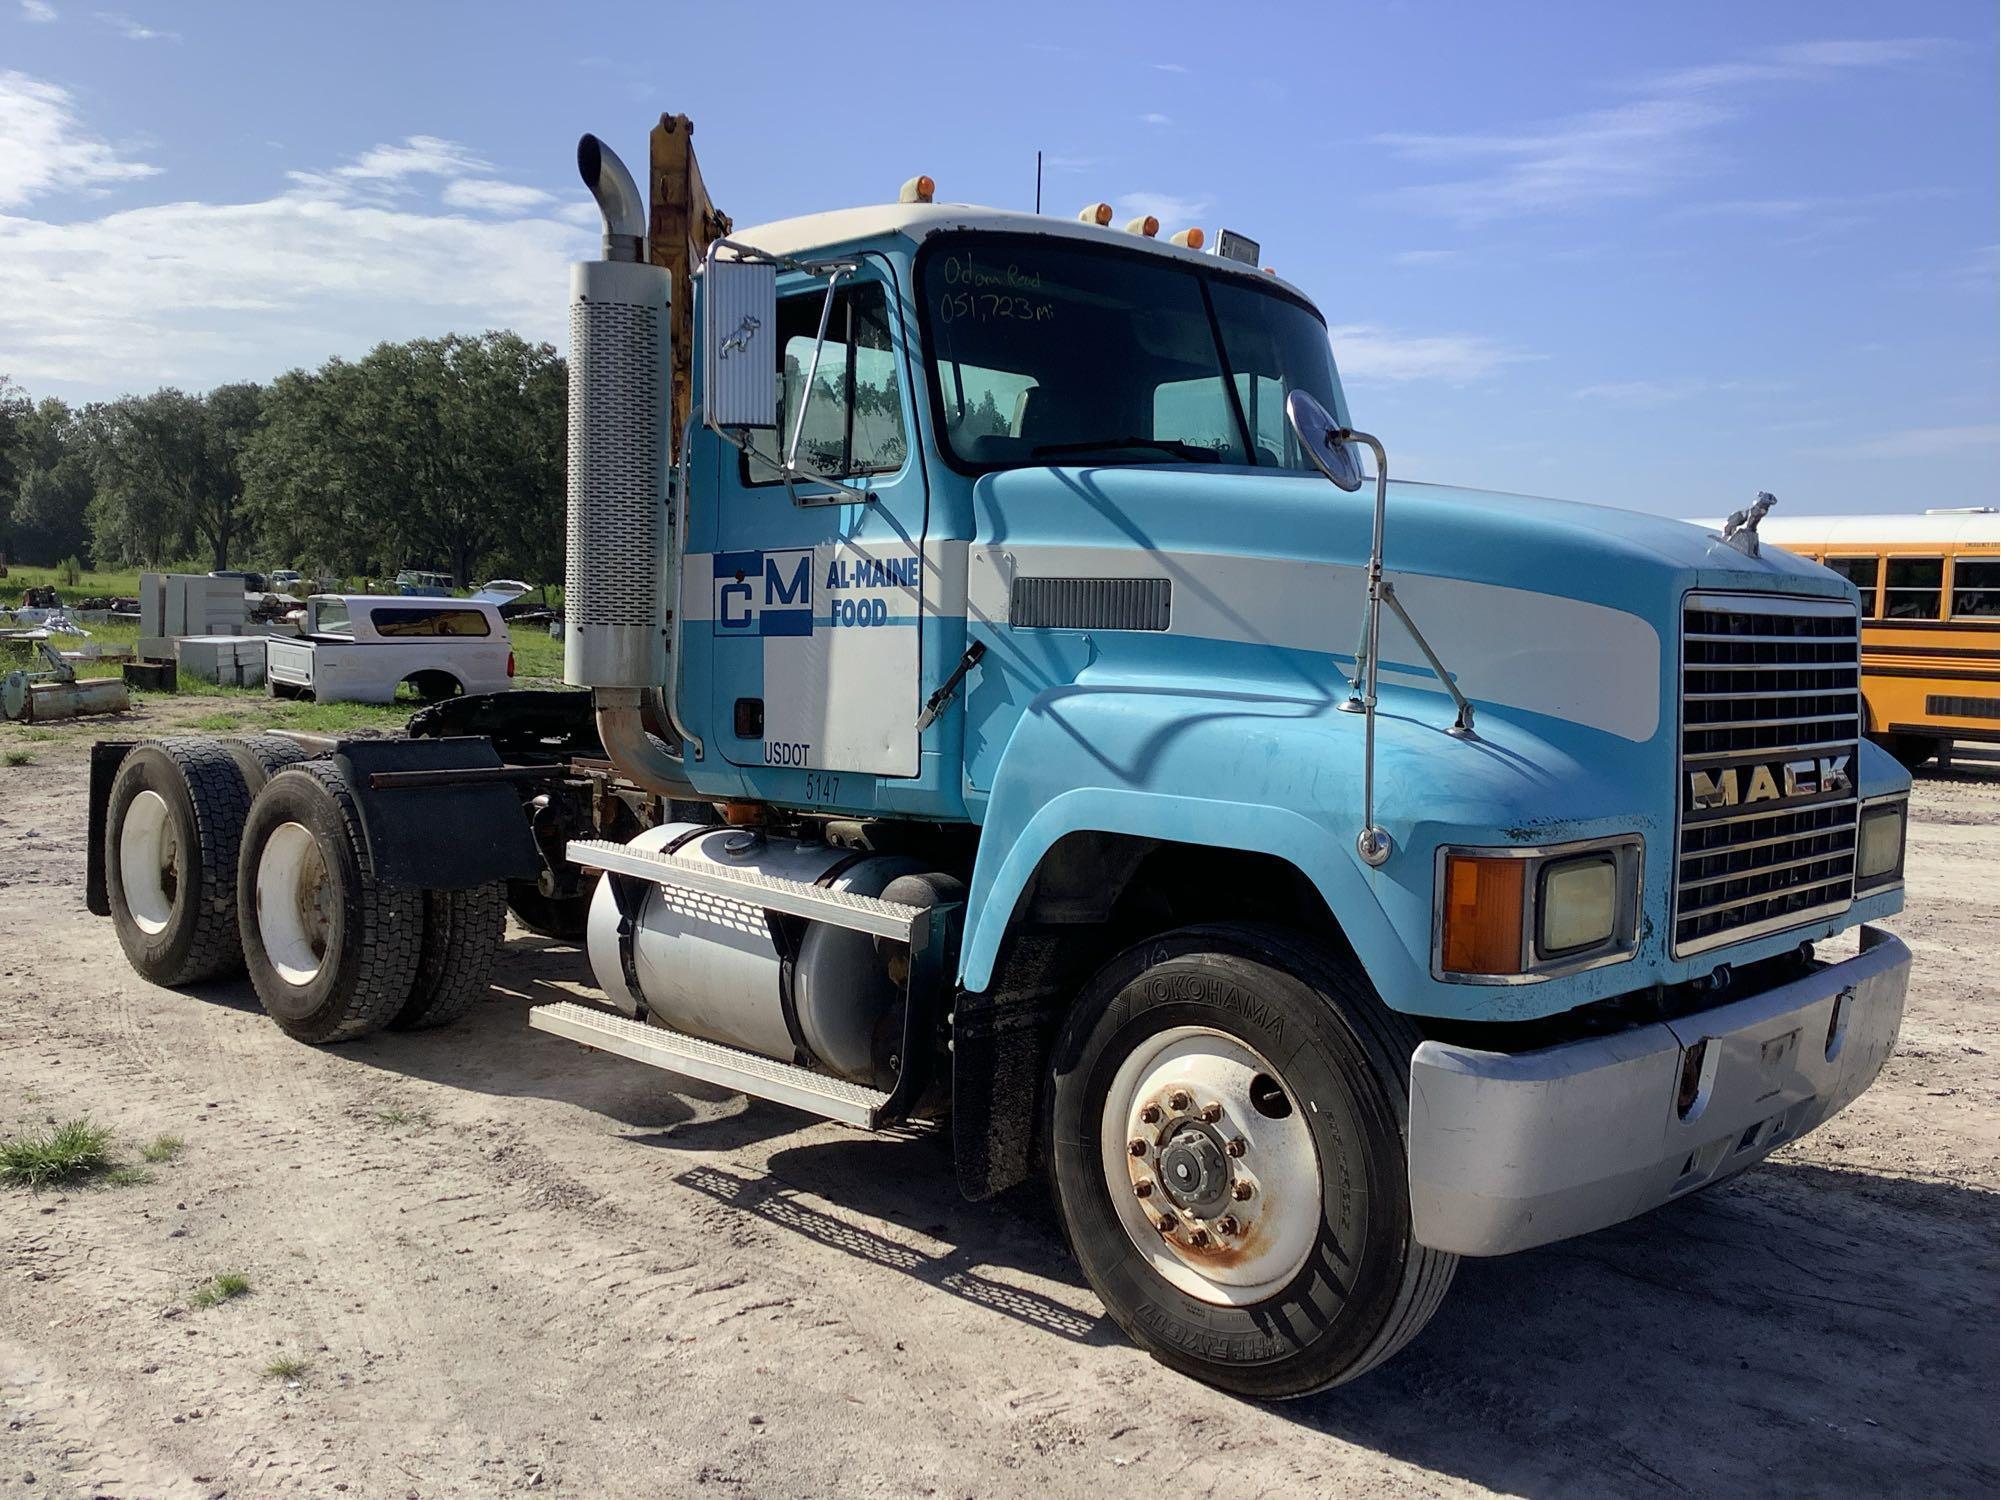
{"type": "Point", "coordinates": [1193, 452]}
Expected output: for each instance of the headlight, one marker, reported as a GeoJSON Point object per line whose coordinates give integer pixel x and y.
{"type": "Point", "coordinates": [1577, 904]}
{"type": "Point", "coordinates": [1879, 845]}
{"type": "Point", "coordinates": [1516, 915]}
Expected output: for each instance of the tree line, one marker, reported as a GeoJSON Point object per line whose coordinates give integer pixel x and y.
{"type": "Point", "coordinates": [444, 454]}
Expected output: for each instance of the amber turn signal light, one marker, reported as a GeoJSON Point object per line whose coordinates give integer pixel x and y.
{"type": "Point", "coordinates": [1095, 213]}
{"type": "Point", "coordinates": [918, 190]}
{"type": "Point", "coordinates": [1481, 930]}
{"type": "Point", "coordinates": [1189, 239]}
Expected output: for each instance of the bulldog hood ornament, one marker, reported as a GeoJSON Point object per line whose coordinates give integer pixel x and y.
{"type": "Point", "coordinates": [1741, 529]}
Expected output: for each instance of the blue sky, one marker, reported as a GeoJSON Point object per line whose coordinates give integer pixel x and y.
{"type": "Point", "coordinates": [1659, 257]}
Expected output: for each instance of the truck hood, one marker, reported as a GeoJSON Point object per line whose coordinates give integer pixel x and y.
{"type": "Point", "coordinates": [1521, 541]}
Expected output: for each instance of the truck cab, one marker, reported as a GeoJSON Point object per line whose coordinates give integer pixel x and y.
{"type": "Point", "coordinates": [1019, 694]}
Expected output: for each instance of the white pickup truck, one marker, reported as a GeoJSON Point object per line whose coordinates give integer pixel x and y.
{"type": "Point", "coordinates": [361, 648]}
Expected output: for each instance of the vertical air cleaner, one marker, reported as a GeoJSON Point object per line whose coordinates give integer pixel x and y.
{"type": "Point", "coordinates": [615, 584]}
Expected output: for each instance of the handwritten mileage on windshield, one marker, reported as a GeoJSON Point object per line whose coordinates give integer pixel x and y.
{"type": "Point", "coordinates": [984, 294]}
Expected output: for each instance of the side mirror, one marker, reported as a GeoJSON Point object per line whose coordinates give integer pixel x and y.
{"type": "Point", "coordinates": [740, 343]}
{"type": "Point", "coordinates": [1320, 435]}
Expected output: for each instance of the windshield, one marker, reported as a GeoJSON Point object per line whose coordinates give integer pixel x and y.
{"type": "Point", "coordinates": [1043, 351]}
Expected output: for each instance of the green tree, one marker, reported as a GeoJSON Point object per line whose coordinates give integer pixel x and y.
{"type": "Point", "coordinates": [442, 453]}
{"type": "Point", "coordinates": [56, 483]}
{"type": "Point", "coordinates": [169, 475]}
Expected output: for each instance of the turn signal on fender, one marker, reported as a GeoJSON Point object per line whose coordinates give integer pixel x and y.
{"type": "Point", "coordinates": [1481, 928]}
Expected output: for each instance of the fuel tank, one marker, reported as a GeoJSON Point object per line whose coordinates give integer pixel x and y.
{"type": "Point", "coordinates": [781, 987]}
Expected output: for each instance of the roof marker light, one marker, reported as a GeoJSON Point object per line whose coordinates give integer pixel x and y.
{"type": "Point", "coordinates": [1095, 213]}
{"type": "Point", "coordinates": [1187, 239]}
{"type": "Point", "coordinates": [1145, 224]}
{"type": "Point", "coordinates": [918, 190]}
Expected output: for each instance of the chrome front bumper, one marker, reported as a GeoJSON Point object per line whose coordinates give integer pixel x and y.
{"type": "Point", "coordinates": [1511, 1150]}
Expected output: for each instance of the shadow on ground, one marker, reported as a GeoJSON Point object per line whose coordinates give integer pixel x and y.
{"type": "Point", "coordinates": [1800, 1330]}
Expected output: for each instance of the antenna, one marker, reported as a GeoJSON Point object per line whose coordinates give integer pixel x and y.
{"type": "Point", "coordinates": [1038, 182]}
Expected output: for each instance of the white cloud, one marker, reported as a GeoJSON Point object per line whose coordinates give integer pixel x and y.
{"type": "Point", "coordinates": [1640, 148]}
{"type": "Point", "coordinates": [489, 196]}
{"type": "Point", "coordinates": [1172, 211]}
{"type": "Point", "coordinates": [37, 10]}
{"type": "Point", "coordinates": [1801, 60]}
{"type": "Point", "coordinates": [388, 169]}
{"type": "Point", "coordinates": [1425, 257]}
{"type": "Point", "coordinates": [1630, 151]}
{"type": "Point", "coordinates": [1170, 67]}
{"type": "Point", "coordinates": [198, 293]}
{"type": "Point", "coordinates": [1153, 119]}
{"type": "Point", "coordinates": [135, 31]}
{"type": "Point", "coordinates": [1923, 442]}
{"type": "Point", "coordinates": [1366, 352]}
{"type": "Point", "coordinates": [43, 148]}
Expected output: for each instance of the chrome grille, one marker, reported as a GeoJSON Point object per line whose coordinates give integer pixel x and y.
{"type": "Point", "coordinates": [1770, 730]}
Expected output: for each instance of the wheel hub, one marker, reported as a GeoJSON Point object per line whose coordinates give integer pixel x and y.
{"type": "Point", "coordinates": [1194, 1170]}
{"type": "Point", "coordinates": [1213, 1173]}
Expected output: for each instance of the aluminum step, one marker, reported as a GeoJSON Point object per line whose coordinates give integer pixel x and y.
{"type": "Point", "coordinates": [890, 919]}
{"type": "Point", "coordinates": [711, 1062]}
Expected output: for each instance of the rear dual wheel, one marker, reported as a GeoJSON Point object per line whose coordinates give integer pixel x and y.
{"type": "Point", "coordinates": [1226, 1137]}
{"type": "Point", "coordinates": [335, 953]}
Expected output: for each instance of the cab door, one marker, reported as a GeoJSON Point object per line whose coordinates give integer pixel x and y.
{"type": "Point", "coordinates": [816, 598]}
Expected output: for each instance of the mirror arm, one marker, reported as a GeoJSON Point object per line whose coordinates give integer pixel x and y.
{"type": "Point", "coordinates": [1373, 843]}
{"type": "Point", "coordinates": [790, 467]}
{"type": "Point", "coordinates": [1462, 723]}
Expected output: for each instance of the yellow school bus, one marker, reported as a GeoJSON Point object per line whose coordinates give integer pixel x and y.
{"type": "Point", "coordinates": [1931, 620]}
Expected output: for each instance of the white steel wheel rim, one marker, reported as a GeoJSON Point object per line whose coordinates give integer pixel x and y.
{"type": "Point", "coordinates": [149, 862]}
{"type": "Point", "coordinates": [1238, 1185]}
{"type": "Point", "coordinates": [294, 903]}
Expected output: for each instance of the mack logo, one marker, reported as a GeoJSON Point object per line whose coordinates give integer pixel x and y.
{"type": "Point", "coordinates": [1774, 781]}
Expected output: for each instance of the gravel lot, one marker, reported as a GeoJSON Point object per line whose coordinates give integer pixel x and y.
{"type": "Point", "coordinates": [512, 1265]}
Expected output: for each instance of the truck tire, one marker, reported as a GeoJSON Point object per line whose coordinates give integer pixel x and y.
{"type": "Point", "coordinates": [331, 950]}
{"type": "Point", "coordinates": [171, 831]}
{"type": "Point", "coordinates": [261, 756]}
{"type": "Point", "coordinates": [1226, 1128]}
{"type": "Point", "coordinates": [462, 933]}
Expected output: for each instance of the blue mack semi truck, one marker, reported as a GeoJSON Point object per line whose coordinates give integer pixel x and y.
{"type": "Point", "coordinates": [1018, 696]}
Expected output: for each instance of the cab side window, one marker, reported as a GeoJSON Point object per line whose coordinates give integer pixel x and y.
{"type": "Point", "coordinates": [1860, 571]}
{"type": "Point", "coordinates": [854, 422]}
{"type": "Point", "coordinates": [1913, 588]}
{"type": "Point", "coordinates": [1976, 588]}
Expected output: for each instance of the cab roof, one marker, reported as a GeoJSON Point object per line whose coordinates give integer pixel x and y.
{"type": "Point", "coordinates": [812, 234]}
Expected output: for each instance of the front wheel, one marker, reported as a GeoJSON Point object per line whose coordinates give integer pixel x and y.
{"type": "Point", "coordinates": [1226, 1130]}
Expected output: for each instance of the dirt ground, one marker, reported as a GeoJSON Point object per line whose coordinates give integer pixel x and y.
{"type": "Point", "coordinates": [513, 1265]}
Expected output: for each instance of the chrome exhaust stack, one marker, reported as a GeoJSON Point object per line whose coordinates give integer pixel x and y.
{"type": "Point", "coordinates": [622, 551]}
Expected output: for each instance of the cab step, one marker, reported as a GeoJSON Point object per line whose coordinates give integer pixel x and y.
{"type": "Point", "coordinates": [794, 898]}
{"type": "Point", "coordinates": [711, 1062]}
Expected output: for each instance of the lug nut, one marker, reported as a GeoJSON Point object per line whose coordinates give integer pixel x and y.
{"type": "Point", "coordinates": [1199, 1238]}
{"type": "Point", "coordinates": [1178, 1100]}
{"type": "Point", "coordinates": [1166, 1224]}
{"type": "Point", "coordinates": [1240, 1190]}
{"type": "Point", "coordinates": [1211, 1113]}
{"type": "Point", "coordinates": [1149, 1114]}
{"type": "Point", "coordinates": [1136, 1147]}
{"type": "Point", "coordinates": [1142, 1190]}
{"type": "Point", "coordinates": [1235, 1146]}
{"type": "Point", "coordinates": [1227, 1225]}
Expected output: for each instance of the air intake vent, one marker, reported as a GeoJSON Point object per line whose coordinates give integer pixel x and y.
{"type": "Point", "coordinates": [617, 541]}
{"type": "Point", "coordinates": [1090, 603]}
{"type": "Point", "coordinates": [1770, 730]}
